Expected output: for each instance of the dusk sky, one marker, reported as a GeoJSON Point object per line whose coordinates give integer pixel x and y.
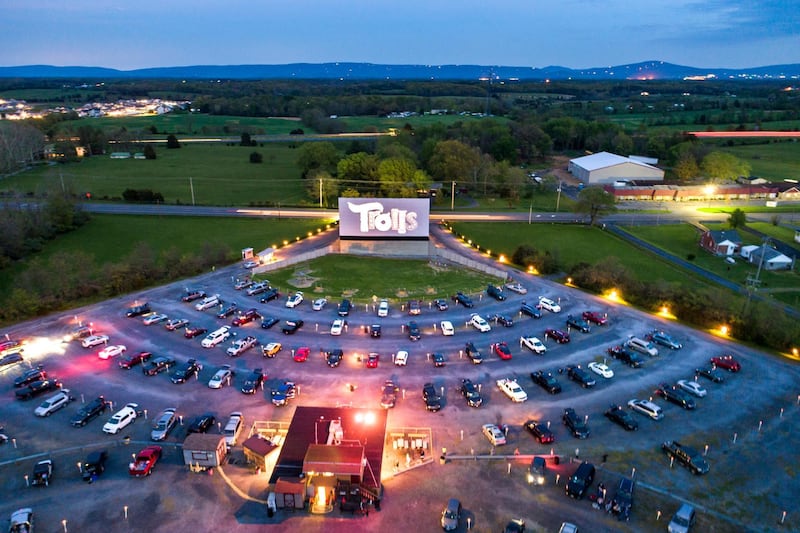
{"type": "Point", "coordinates": [127, 34]}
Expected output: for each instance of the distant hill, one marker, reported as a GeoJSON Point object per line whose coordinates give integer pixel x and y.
{"type": "Point", "coordinates": [369, 71]}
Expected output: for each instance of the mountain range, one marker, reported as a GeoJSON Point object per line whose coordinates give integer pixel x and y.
{"type": "Point", "coordinates": [656, 70]}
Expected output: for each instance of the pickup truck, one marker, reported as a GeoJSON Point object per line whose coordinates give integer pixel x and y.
{"type": "Point", "coordinates": [145, 461]}
{"type": "Point", "coordinates": [688, 457]}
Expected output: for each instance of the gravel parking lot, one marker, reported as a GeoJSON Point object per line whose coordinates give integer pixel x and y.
{"type": "Point", "coordinates": [748, 422]}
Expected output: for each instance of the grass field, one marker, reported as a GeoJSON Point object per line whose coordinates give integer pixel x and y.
{"type": "Point", "coordinates": [193, 124]}
{"type": "Point", "coordinates": [571, 245]}
{"type": "Point", "coordinates": [368, 123]}
{"type": "Point", "coordinates": [774, 161]}
{"type": "Point", "coordinates": [785, 235]}
{"type": "Point", "coordinates": [111, 238]}
{"type": "Point", "coordinates": [335, 276]}
{"type": "Point", "coordinates": [220, 175]}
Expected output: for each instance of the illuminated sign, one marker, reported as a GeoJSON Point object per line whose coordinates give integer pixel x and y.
{"type": "Point", "coordinates": [384, 218]}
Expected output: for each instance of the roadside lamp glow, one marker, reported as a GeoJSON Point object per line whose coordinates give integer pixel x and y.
{"type": "Point", "coordinates": [724, 330]}
{"type": "Point", "coordinates": [502, 258]}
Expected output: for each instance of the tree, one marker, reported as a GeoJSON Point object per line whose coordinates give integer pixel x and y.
{"type": "Point", "coordinates": [256, 157]}
{"type": "Point", "coordinates": [686, 167]}
{"type": "Point", "coordinates": [317, 156]}
{"type": "Point", "coordinates": [453, 161]}
{"type": "Point", "coordinates": [172, 141]}
{"type": "Point", "coordinates": [246, 140]}
{"type": "Point", "coordinates": [359, 171]}
{"type": "Point", "coordinates": [722, 165]}
{"type": "Point", "coordinates": [396, 175]}
{"type": "Point", "coordinates": [594, 201]}
{"type": "Point", "coordinates": [149, 152]}
{"type": "Point", "coordinates": [737, 219]}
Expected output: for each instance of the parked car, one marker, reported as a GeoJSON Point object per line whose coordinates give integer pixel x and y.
{"type": "Point", "coordinates": [533, 344]}
{"type": "Point", "coordinates": [375, 331]}
{"type": "Point", "coordinates": [176, 323]}
{"type": "Point", "coordinates": [433, 401]}
{"type": "Point", "coordinates": [414, 333]}
{"type": "Point", "coordinates": [344, 307]}
{"type": "Point", "coordinates": [683, 519]}
{"type": "Point", "coordinates": [710, 373]}
{"type": "Point", "coordinates": [121, 419]}
{"type": "Point", "coordinates": [228, 310]}
{"type": "Point", "coordinates": [193, 294]}
{"type": "Point", "coordinates": [291, 326]}
{"type": "Point", "coordinates": [580, 376]}
{"type": "Point", "coordinates": [257, 288]}
{"type": "Point", "coordinates": [253, 381]}
{"type": "Point", "coordinates": [576, 425]}
{"type": "Point", "coordinates": [692, 387]}
{"type": "Point", "coordinates": [294, 299]}
{"type": "Point", "coordinates": [301, 354]}
{"type": "Point", "coordinates": [145, 461]}
{"type": "Point", "coordinates": [620, 416]}
{"type": "Point", "coordinates": [57, 401]}
{"type": "Point", "coordinates": [549, 305]}
{"type": "Point", "coordinates": [511, 388]}
{"type": "Point", "coordinates": [243, 284]}
{"type": "Point", "coordinates": [441, 304]}
{"type": "Point", "coordinates": [601, 369]}
{"type": "Point", "coordinates": [447, 328]}
{"type": "Point", "coordinates": [580, 481]}
{"type": "Point", "coordinates": [547, 381]}
{"type": "Point", "coordinates": [401, 358]}
{"type": "Point", "coordinates": [196, 331]}
{"type": "Point", "coordinates": [479, 323]}
{"type": "Point", "coordinates": [463, 299]}
{"type": "Point", "coordinates": [164, 424]}
{"type": "Point", "coordinates": [530, 310]}
{"type": "Point", "coordinates": [504, 320]}
{"type": "Point", "coordinates": [153, 318]}
{"type": "Point", "coordinates": [372, 360]}
{"type": "Point", "coordinates": [89, 411]}
{"type": "Point", "coordinates": [94, 465]}
{"type": "Point", "coordinates": [221, 377]}
{"type": "Point", "coordinates": [451, 515]}
{"type": "Point", "coordinates": [268, 322]}
{"type": "Point", "coordinates": [245, 318]}
{"type": "Point", "coordinates": [319, 304]}
{"type": "Point", "coordinates": [537, 471]}
{"type": "Point", "coordinates": [643, 346]}
{"type": "Point", "coordinates": [21, 521]}
{"type": "Point", "coordinates": [157, 365]}
{"type": "Point", "coordinates": [389, 394]}
{"type": "Point", "coordinates": [471, 394]}
{"type": "Point", "coordinates": [94, 340]}
{"type": "Point", "coordinates": [383, 308]}
{"type": "Point", "coordinates": [269, 294]}
{"type": "Point", "coordinates": [473, 353]}
{"type": "Point", "coordinates": [111, 351]}
{"type": "Point", "coordinates": [502, 350]}
{"type": "Point", "coordinates": [283, 393]}
{"type": "Point", "coordinates": [439, 359]}
{"type": "Point", "coordinates": [414, 307]}
{"type": "Point", "coordinates": [34, 374]}
{"type": "Point", "coordinates": [495, 292]}
{"type": "Point", "coordinates": [516, 287]}
{"type": "Point", "coordinates": [625, 355]}
{"type": "Point", "coordinates": [494, 434]}
{"type": "Point", "coordinates": [647, 408]}
{"type": "Point", "coordinates": [726, 362]}
{"type": "Point", "coordinates": [202, 423]}
{"type": "Point", "coordinates": [595, 318]}
{"type": "Point", "coordinates": [216, 337]}
{"type": "Point", "coordinates": [42, 473]}
{"type": "Point", "coordinates": [271, 349]}
{"type": "Point", "coordinates": [561, 337]}
{"type": "Point", "coordinates": [687, 456]}
{"type": "Point", "coordinates": [138, 310]}
{"type": "Point", "coordinates": [191, 367]}
{"type": "Point", "coordinates": [673, 394]}
{"type": "Point", "coordinates": [334, 357]}
{"type": "Point", "coordinates": [539, 431]}
{"type": "Point", "coordinates": [239, 346]}
{"type": "Point", "coordinates": [664, 339]}
{"type": "Point", "coordinates": [578, 323]}
{"type": "Point", "coordinates": [36, 388]}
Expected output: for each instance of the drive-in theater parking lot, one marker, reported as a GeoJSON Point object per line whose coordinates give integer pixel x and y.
{"type": "Point", "coordinates": [745, 426]}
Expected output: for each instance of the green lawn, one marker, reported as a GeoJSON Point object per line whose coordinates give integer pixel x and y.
{"type": "Point", "coordinates": [781, 233]}
{"type": "Point", "coordinates": [220, 175]}
{"type": "Point", "coordinates": [774, 161]}
{"type": "Point", "coordinates": [571, 245]}
{"type": "Point", "coordinates": [193, 124]}
{"type": "Point", "coordinates": [335, 276]}
{"type": "Point", "coordinates": [369, 123]}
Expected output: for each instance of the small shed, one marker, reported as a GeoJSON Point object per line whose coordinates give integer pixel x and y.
{"type": "Point", "coordinates": [204, 450]}
{"type": "Point", "coordinates": [290, 493]}
{"type": "Point", "coordinates": [745, 251]}
{"type": "Point", "coordinates": [256, 449]}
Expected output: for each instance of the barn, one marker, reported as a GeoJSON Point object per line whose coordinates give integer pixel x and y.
{"type": "Point", "coordinates": [605, 167]}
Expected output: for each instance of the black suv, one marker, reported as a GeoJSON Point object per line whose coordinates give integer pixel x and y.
{"type": "Point", "coordinates": [471, 394]}
{"type": "Point", "coordinates": [675, 395]}
{"type": "Point", "coordinates": [253, 381]}
{"type": "Point", "coordinates": [202, 423]}
{"type": "Point", "coordinates": [34, 374]}
{"type": "Point", "coordinates": [530, 310]}
{"type": "Point", "coordinates": [188, 369]}
{"type": "Point", "coordinates": [290, 326]}
{"type": "Point", "coordinates": [580, 480]}
{"type": "Point", "coordinates": [580, 376]}
{"type": "Point", "coordinates": [495, 292]}
{"type": "Point", "coordinates": [89, 411]}
{"type": "Point", "coordinates": [413, 331]}
{"type": "Point", "coordinates": [688, 457]}
{"type": "Point", "coordinates": [578, 323]}
{"type": "Point", "coordinates": [344, 307]}
{"type": "Point", "coordinates": [473, 353]}
{"type": "Point", "coordinates": [138, 310]}
{"type": "Point", "coordinates": [432, 400]}
{"type": "Point", "coordinates": [546, 381]}
{"type": "Point", "coordinates": [94, 465]}
{"type": "Point", "coordinates": [576, 424]}
{"type": "Point", "coordinates": [375, 331]}
{"type": "Point", "coordinates": [625, 355]}
{"type": "Point", "coordinates": [463, 299]}
{"type": "Point", "coordinates": [334, 357]}
{"type": "Point", "coordinates": [620, 416]}
{"type": "Point", "coordinates": [623, 499]}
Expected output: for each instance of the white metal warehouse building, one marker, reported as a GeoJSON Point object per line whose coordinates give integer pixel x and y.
{"type": "Point", "coordinates": [605, 167]}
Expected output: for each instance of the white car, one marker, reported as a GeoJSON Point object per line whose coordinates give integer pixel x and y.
{"type": "Point", "coordinates": [337, 326]}
{"type": "Point", "coordinates": [111, 351]}
{"type": "Point", "coordinates": [533, 344]}
{"type": "Point", "coordinates": [493, 433]}
{"type": "Point", "coordinates": [647, 408]}
{"type": "Point", "coordinates": [216, 337]}
{"type": "Point", "coordinates": [401, 358]}
{"type": "Point", "coordinates": [480, 323]}
{"type": "Point", "coordinates": [319, 304]}
{"type": "Point", "coordinates": [294, 299]}
{"type": "Point", "coordinates": [511, 388]}
{"type": "Point", "coordinates": [383, 308]}
{"type": "Point", "coordinates": [94, 340]}
{"type": "Point", "coordinates": [692, 387]}
{"type": "Point", "coordinates": [221, 378]}
{"type": "Point", "coordinates": [447, 328]}
{"type": "Point", "coordinates": [250, 264]}
{"type": "Point", "coordinates": [550, 305]}
{"type": "Point", "coordinates": [54, 403]}
{"type": "Point", "coordinates": [121, 419]}
{"type": "Point", "coordinates": [516, 287]}
{"type": "Point", "coordinates": [154, 318]}
{"type": "Point", "coordinates": [601, 369]}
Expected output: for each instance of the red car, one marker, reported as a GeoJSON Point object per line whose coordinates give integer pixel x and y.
{"type": "Point", "coordinates": [301, 354]}
{"type": "Point", "coordinates": [246, 317]}
{"type": "Point", "coordinates": [557, 335]}
{"type": "Point", "coordinates": [145, 461]}
{"type": "Point", "coordinates": [726, 362]}
{"type": "Point", "coordinates": [372, 360]}
{"type": "Point", "coordinates": [502, 351]}
{"type": "Point", "coordinates": [191, 332]}
{"type": "Point", "coordinates": [594, 317]}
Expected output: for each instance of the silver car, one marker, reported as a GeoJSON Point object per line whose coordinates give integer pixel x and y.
{"type": "Point", "coordinates": [163, 425]}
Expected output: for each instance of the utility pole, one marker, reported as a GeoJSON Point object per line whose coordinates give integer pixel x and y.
{"type": "Point", "coordinates": [320, 193]}
{"type": "Point", "coordinates": [530, 212]}
{"type": "Point", "coordinates": [452, 195]}
{"type": "Point", "coordinates": [558, 198]}
{"type": "Point", "coordinates": [191, 188]}
{"type": "Point", "coordinates": [63, 189]}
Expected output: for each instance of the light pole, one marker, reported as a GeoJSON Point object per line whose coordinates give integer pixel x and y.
{"type": "Point", "coordinates": [558, 198]}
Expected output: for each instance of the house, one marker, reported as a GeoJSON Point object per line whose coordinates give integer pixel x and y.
{"type": "Point", "coordinates": [745, 251]}
{"type": "Point", "coordinates": [605, 167]}
{"type": "Point", "coordinates": [770, 258]}
{"type": "Point", "coordinates": [204, 450]}
{"type": "Point", "coordinates": [721, 242]}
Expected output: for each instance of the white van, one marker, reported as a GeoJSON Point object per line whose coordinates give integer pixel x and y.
{"type": "Point", "coordinates": [643, 346]}
{"type": "Point", "coordinates": [215, 337]}
{"type": "Point", "coordinates": [208, 302]}
{"type": "Point", "coordinates": [233, 428]}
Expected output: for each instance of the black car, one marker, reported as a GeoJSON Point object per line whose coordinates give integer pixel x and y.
{"type": "Point", "coordinates": [710, 373]}
{"type": "Point", "coordinates": [625, 355]}
{"type": "Point", "coordinates": [580, 480]}
{"type": "Point", "coordinates": [253, 381]}
{"type": "Point", "coordinates": [375, 331]}
{"type": "Point", "coordinates": [36, 388]}
{"type": "Point", "coordinates": [269, 295]}
{"type": "Point", "coordinates": [228, 311]}
{"type": "Point", "coordinates": [129, 361]}
{"type": "Point", "coordinates": [473, 353]}
{"type": "Point", "coordinates": [688, 457]}
{"type": "Point", "coordinates": [89, 411]}
{"type": "Point", "coordinates": [186, 370]}
{"type": "Point", "coordinates": [413, 331]}
{"type": "Point", "coordinates": [138, 310]}
{"type": "Point", "coordinates": [622, 501]}
{"type": "Point", "coordinates": [432, 400]}
{"type": "Point", "coordinates": [34, 374]}
{"type": "Point", "coordinates": [530, 310]}
{"type": "Point", "coordinates": [547, 381]}
{"type": "Point", "coordinates": [94, 465]}
{"type": "Point", "coordinates": [578, 323]}
{"type": "Point", "coordinates": [291, 326]}
{"type": "Point", "coordinates": [192, 295]}
{"type": "Point", "coordinates": [495, 292]}
{"type": "Point", "coordinates": [42, 473]}
{"type": "Point", "coordinates": [470, 393]}
{"type": "Point", "coordinates": [269, 321]}
{"type": "Point", "coordinates": [191, 332]}
{"type": "Point", "coordinates": [463, 299]}
{"type": "Point", "coordinates": [202, 423]}
{"type": "Point", "coordinates": [344, 307]}
{"type": "Point", "coordinates": [157, 365]}
{"type": "Point", "coordinates": [580, 376]}
{"type": "Point", "coordinates": [503, 320]}
{"type": "Point", "coordinates": [438, 359]}
{"type": "Point", "coordinates": [441, 305]}
{"type": "Point", "coordinates": [540, 432]}
{"type": "Point", "coordinates": [621, 416]}
{"type": "Point", "coordinates": [576, 424]}
{"type": "Point", "coordinates": [673, 394]}
{"type": "Point", "coordinates": [334, 357]}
